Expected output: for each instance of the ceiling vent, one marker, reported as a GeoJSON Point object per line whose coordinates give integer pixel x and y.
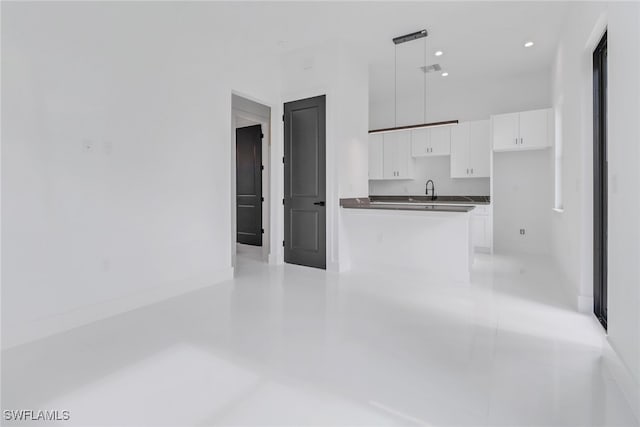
{"type": "Point", "coordinates": [431, 68]}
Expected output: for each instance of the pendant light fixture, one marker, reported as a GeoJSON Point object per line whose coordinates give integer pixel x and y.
{"type": "Point", "coordinates": [426, 69]}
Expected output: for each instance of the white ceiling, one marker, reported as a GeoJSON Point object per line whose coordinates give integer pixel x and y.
{"type": "Point", "coordinates": [478, 38]}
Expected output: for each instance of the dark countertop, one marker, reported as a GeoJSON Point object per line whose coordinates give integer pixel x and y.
{"type": "Point", "coordinates": [397, 205]}
{"type": "Point", "coordinates": [447, 200]}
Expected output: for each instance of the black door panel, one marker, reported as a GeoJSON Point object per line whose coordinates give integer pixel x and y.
{"type": "Point", "coordinates": [249, 185]}
{"type": "Point", "coordinates": [304, 180]}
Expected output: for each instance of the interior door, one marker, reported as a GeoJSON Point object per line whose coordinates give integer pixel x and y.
{"type": "Point", "coordinates": [304, 182]}
{"type": "Point", "coordinates": [249, 185]}
{"type": "Point", "coordinates": [505, 131]}
{"type": "Point", "coordinates": [533, 128]}
{"type": "Point", "coordinates": [479, 149]}
{"type": "Point", "coordinates": [460, 151]}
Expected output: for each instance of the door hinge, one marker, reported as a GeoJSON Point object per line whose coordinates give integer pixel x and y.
{"type": "Point", "coordinates": [282, 159]}
{"type": "Point", "coordinates": [283, 243]}
{"type": "Point", "coordinates": [262, 230]}
{"type": "Point", "coordinates": [262, 199]}
{"type": "Point", "coordinates": [261, 167]}
{"type": "Point", "coordinates": [283, 201]}
{"type": "Point", "coordinates": [261, 135]}
{"type": "Point", "coordinates": [283, 117]}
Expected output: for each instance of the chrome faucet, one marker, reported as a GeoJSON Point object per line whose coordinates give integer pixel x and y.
{"type": "Point", "coordinates": [433, 190]}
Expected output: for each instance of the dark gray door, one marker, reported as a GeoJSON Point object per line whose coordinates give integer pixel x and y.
{"type": "Point", "coordinates": [249, 185]}
{"type": "Point", "coordinates": [304, 182]}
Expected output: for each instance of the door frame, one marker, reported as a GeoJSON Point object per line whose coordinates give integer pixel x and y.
{"type": "Point", "coordinates": [600, 190]}
{"type": "Point", "coordinates": [267, 176]}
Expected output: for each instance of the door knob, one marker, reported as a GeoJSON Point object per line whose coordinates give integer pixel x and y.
{"type": "Point", "coordinates": [319, 203]}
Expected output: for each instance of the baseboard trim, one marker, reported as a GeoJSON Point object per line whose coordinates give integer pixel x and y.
{"type": "Point", "coordinates": [622, 376]}
{"type": "Point", "coordinates": [585, 304]}
{"type": "Point", "coordinates": [16, 335]}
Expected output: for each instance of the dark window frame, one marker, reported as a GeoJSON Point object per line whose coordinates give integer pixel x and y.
{"type": "Point", "coordinates": [600, 190]}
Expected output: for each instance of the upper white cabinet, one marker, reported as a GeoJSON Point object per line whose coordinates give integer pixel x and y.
{"type": "Point", "coordinates": [431, 142]}
{"type": "Point", "coordinates": [470, 150]}
{"type": "Point", "coordinates": [527, 130]}
{"type": "Point", "coordinates": [397, 161]}
{"type": "Point", "coordinates": [390, 156]}
{"type": "Point", "coordinates": [375, 156]}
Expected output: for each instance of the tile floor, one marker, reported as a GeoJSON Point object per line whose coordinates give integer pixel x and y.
{"type": "Point", "coordinates": [297, 346]}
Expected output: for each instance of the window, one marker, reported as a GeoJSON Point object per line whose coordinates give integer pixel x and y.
{"type": "Point", "coordinates": [600, 205]}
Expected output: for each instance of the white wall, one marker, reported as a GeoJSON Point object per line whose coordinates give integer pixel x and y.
{"type": "Point", "coordinates": [572, 229]}
{"type": "Point", "coordinates": [449, 98]}
{"type": "Point", "coordinates": [456, 98]}
{"type": "Point", "coordinates": [336, 71]}
{"type": "Point", "coordinates": [115, 165]}
{"type": "Point", "coordinates": [624, 175]}
{"type": "Point", "coordinates": [522, 198]}
{"type": "Point", "coordinates": [437, 169]}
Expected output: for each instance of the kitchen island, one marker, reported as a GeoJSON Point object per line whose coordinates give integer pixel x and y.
{"type": "Point", "coordinates": [434, 239]}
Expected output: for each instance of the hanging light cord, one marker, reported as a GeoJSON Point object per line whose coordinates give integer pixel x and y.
{"type": "Point", "coordinates": [395, 85]}
{"type": "Point", "coordinates": [425, 80]}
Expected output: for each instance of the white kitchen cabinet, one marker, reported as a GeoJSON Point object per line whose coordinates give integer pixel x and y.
{"type": "Point", "coordinates": [390, 156]}
{"type": "Point", "coordinates": [470, 150]}
{"type": "Point", "coordinates": [431, 141]}
{"type": "Point", "coordinates": [505, 131]}
{"type": "Point", "coordinates": [460, 151]}
{"type": "Point", "coordinates": [376, 156]}
{"type": "Point", "coordinates": [479, 149]}
{"type": "Point", "coordinates": [397, 160]}
{"type": "Point", "coordinates": [526, 130]}
{"type": "Point", "coordinates": [533, 129]}
{"type": "Point", "coordinates": [482, 228]}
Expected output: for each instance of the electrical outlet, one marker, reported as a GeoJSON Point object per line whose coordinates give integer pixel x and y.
{"type": "Point", "coordinates": [522, 231]}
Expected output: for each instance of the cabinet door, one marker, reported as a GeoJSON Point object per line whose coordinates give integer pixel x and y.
{"type": "Point", "coordinates": [419, 142]}
{"type": "Point", "coordinates": [390, 155]}
{"type": "Point", "coordinates": [533, 129]}
{"type": "Point", "coordinates": [479, 149]}
{"type": "Point", "coordinates": [403, 158]}
{"type": "Point", "coordinates": [505, 131]}
{"type": "Point", "coordinates": [375, 156]}
{"type": "Point", "coordinates": [460, 151]}
{"type": "Point", "coordinates": [479, 231]}
{"type": "Point", "coordinates": [440, 141]}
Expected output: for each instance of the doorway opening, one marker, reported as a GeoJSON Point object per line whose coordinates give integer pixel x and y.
{"type": "Point", "coordinates": [250, 179]}
{"type": "Point", "coordinates": [600, 194]}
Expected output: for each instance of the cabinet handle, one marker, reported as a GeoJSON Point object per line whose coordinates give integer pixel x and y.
{"type": "Point", "coordinates": [471, 171]}
{"type": "Point", "coordinates": [467, 171]}
{"type": "Point", "coordinates": [516, 140]}
{"type": "Point", "coordinates": [521, 141]}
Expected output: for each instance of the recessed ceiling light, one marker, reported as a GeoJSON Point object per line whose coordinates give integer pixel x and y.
{"type": "Point", "coordinates": [528, 44]}
{"type": "Point", "coordinates": [445, 74]}
{"type": "Point", "coordinates": [439, 53]}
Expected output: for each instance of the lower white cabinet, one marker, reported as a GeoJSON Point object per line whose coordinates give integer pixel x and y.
{"type": "Point", "coordinates": [482, 228]}
{"type": "Point", "coordinates": [470, 150]}
{"type": "Point", "coordinates": [390, 156]}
